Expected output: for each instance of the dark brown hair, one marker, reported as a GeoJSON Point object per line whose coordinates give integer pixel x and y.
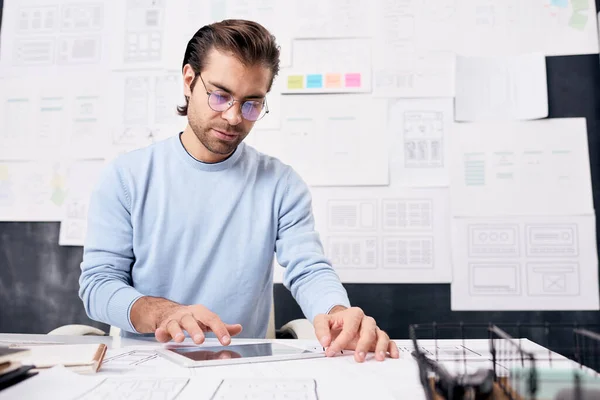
{"type": "Point", "coordinates": [250, 43]}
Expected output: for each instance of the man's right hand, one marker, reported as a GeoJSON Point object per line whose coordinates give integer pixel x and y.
{"type": "Point", "coordinates": [168, 320]}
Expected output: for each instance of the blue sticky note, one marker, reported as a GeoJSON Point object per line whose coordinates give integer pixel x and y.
{"type": "Point", "coordinates": [560, 3]}
{"type": "Point", "coordinates": [314, 81]}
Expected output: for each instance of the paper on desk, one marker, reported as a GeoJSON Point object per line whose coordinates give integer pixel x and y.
{"type": "Point", "coordinates": [524, 263]}
{"type": "Point", "coordinates": [420, 132]}
{"type": "Point", "coordinates": [56, 382]}
{"type": "Point", "coordinates": [521, 168]}
{"type": "Point", "coordinates": [390, 235]}
{"type": "Point", "coordinates": [501, 88]}
{"type": "Point", "coordinates": [335, 140]}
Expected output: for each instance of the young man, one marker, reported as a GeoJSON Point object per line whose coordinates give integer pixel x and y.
{"type": "Point", "coordinates": [181, 234]}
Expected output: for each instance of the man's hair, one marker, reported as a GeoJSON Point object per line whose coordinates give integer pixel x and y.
{"type": "Point", "coordinates": [251, 43]}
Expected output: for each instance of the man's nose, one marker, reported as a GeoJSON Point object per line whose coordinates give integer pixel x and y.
{"type": "Point", "coordinates": [233, 114]}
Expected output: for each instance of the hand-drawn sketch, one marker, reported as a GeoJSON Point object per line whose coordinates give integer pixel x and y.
{"type": "Point", "coordinates": [553, 278]}
{"type": "Point", "coordinates": [407, 214]}
{"type": "Point", "coordinates": [266, 388]}
{"type": "Point", "coordinates": [494, 278]}
{"type": "Point", "coordinates": [423, 139]}
{"type": "Point", "coordinates": [500, 240]}
{"type": "Point", "coordinates": [145, 22]}
{"type": "Point", "coordinates": [549, 240]}
{"type": "Point", "coordinates": [351, 215]}
{"type": "Point", "coordinates": [352, 252]}
{"type": "Point", "coordinates": [137, 388]}
{"type": "Point", "coordinates": [408, 252]}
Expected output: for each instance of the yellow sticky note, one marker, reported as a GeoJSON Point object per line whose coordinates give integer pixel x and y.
{"type": "Point", "coordinates": [295, 82]}
{"type": "Point", "coordinates": [3, 172]}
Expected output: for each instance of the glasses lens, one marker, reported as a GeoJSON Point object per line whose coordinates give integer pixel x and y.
{"type": "Point", "coordinates": [252, 110]}
{"type": "Point", "coordinates": [219, 101]}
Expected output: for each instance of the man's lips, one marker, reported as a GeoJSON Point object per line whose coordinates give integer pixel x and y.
{"type": "Point", "coordinates": [225, 135]}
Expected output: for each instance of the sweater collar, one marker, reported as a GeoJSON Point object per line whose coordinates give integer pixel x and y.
{"type": "Point", "coordinates": [188, 159]}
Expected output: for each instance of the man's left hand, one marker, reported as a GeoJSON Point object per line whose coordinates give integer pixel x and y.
{"type": "Point", "coordinates": [350, 329]}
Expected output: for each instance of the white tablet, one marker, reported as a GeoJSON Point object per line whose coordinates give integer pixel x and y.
{"type": "Point", "coordinates": [201, 356]}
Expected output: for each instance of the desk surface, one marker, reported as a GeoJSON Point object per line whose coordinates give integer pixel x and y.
{"type": "Point", "coordinates": [338, 377]}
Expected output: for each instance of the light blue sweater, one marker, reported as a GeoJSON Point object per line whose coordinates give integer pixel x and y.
{"type": "Point", "coordinates": [163, 224]}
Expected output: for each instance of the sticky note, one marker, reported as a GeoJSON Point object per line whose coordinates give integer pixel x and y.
{"type": "Point", "coordinates": [3, 172]}
{"type": "Point", "coordinates": [580, 5]}
{"type": "Point", "coordinates": [333, 80]}
{"type": "Point", "coordinates": [578, 21]}
{"type": "Point", "coordinates": [353, 80]}
{"type": "Point", "coordinates": [295, 82]}
{"type": "Point", "coordinates": [314, 81]}
{"type": "Point", "coordinates": [560, 3]}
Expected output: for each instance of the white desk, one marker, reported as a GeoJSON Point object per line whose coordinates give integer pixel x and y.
{"type": "Point", "coordinates": [338, 377]}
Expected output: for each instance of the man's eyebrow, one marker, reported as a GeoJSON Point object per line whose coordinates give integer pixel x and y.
{"type": "Point", "coordinates": [223, 87]}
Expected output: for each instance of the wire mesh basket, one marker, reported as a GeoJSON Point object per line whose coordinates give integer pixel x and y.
{"type": "Point", "coordinates": [507, 361]}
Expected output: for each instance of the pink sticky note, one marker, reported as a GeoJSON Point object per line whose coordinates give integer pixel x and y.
{"type": "Point", "coordinates": [353, 80]}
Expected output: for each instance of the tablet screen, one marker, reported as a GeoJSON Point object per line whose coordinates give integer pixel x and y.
{"type": "Point", "coordinates": [237, 351]}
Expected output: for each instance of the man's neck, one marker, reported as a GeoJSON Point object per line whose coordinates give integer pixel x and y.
{"type": "Point", "coordinates": [196, 149]}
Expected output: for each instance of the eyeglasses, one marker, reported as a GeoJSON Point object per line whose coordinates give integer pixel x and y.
{"type": "Point", "coordinates": [220, 101]}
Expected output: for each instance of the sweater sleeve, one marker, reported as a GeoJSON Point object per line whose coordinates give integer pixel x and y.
{"type": "Point", "coordinates": [308, 274]}
{"type": "Point", "coordinates": [105, 284]}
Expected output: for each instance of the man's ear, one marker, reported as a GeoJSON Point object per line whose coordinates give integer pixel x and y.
{"type": "Point", "coordinates": [188, 79]}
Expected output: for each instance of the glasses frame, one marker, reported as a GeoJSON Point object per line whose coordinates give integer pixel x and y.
{"type": "Point", "coordinates": [233, 100]}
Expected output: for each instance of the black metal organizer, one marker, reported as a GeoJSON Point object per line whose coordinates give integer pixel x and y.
{"type": "Point", "coordinates": [510, 369]}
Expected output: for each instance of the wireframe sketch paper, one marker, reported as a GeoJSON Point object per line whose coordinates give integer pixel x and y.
{"type": "Point", "coordinates": [63, 116]}
{"type": "Point", "coordinates": [335, 140]}
{"type": "Point", "coordinates": [501, 88]}
{"type": "Point", "coordinates": [41, 37]}
{"type": "Point", "coordinates": [419, 134]}
{"type": "Point", "coordinates": [32, 190]}
{"type": "Point", "coordinates": [521, 168]}
{"type": "Point", "coordinates": [388, 235]}
{"type": "Point", "coordinates": [81, 180]}
{"type": "Point", "coordinates": [232, 389]}
{"type": "Point", "coordinates": [509, 27]}
{"type": "Point", "coordinates": [524, 263]}
{"type": "Point", "coordinates": [414, 49]}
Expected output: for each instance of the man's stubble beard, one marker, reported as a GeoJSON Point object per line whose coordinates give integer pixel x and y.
{"type": "Point", "coordinates": [213, 144]}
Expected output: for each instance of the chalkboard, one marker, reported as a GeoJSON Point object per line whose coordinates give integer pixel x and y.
{"type": "Point", "coordinates": [39, 279]}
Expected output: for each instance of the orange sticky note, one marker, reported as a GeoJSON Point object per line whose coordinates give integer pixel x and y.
{"type": "Point", "coordinates": [333, 80]}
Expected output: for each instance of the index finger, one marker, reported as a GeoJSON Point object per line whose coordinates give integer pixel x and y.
{"type": "Point", "coordinates": [215, 324]}
{"type": "Point", "coordinates": [351, 325]}
{"type": "Point", "coordinates": [322, 329]}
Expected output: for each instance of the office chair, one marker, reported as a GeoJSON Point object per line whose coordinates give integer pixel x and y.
{"type": "Point", "coordinates": [296, 329]}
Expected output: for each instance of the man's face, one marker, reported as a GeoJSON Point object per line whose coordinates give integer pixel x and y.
{"type": "Point", "coordinates": [221, 132]}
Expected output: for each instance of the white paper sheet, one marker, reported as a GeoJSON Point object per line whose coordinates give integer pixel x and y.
{"type": "Point", "coordinates": [420, 131]}
{"type": "Point", "coordinates": [385, 235]}
{"type": "Point", "coordinates": [32, 191]}
{"type": "Point", "coordinates": [81, 180]}
{"type": "Point", "coordinates": [62, 117]}
{"type": "Point", "coordinates": [233, 389]}
{"type": "Point", "coordinates": [144, 107]}
{"type": "Point", "coordinates": [49, 36]}
{"type": "Point", "coordinates": [413, 50]}
{"type": "Point", "coordinates": [329, 66]}
{"type": "Point", "coordinates": [503, 27]}
{"type": "Point", "coordinates": [335, 140]}
{"type": "Point", "coordinates": [501, 88]}
{"type": "Point", "coordinates": [521, 168]}
{"type": "Point", "coordinates": [327, 19]}
{"type": "Point", "coordinates": [138, 30]}
{"type": "Point", "coordinates": [57, 382]}
{"type": "Point", "coordinates": [524, 263]}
